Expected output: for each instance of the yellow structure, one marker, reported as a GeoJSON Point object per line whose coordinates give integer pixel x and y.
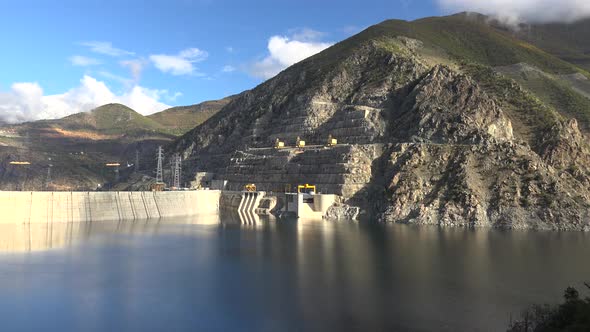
{"type": "Point", "coordinates": [158, 186]}
{"type": "Point", "coordinates": [300, 143]}
{"type": "Point", "coordinates": [112, 165]}
{"type": "Point", "coordinates": [332, 141]}
{"type": "Point", "coordinates": [279, 144]}
{"type": "Point", "coordinates": [250, 187]}
{"type": "Point", "coordinates": [20, 163]}
{"type": "Point", "coordinates": [306, 189]}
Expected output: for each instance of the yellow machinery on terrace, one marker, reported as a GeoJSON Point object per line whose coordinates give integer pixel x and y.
{"type": "Point", "coordinates": [332, 141]}
{"type": "Point", "coordinates": [299, 143]}
{"type": "Point", "coordinates": [250, 187]}
{"type": "Point", "coordinates": [306, 189]}
{"type": "Point", "coordinates": [157, 186]}
{"type": "Point", "coordinates": [279, 144]}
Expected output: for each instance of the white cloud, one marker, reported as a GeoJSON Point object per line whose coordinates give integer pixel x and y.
{"type": "Point", "coordinates": [180, 64]}
{"type": "Point", "coordinates": [173, 97]}
{"type": "Point", "coordinates": [530, 11]}
{"type": "Point", "coordinates": [285, 51]}
{"type": "Point", "coordinates": [228, 69]}
{"type": "Point", "coordinates": [105, 48]}
{"type": "Point", "coordinates": [82, 61]}
{"type": "Point", "coordinates": [127, 82]}
{"type": "Point", "coordinates": [306, 34]}
{"type": "Point", "coordinates": [135, 66]}
{"type": "Point", "coordinates": [27, 102]}
{"type": "Point", "coordinates": [144, 100]}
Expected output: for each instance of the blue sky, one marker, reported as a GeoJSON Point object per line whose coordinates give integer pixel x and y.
{"type": "Point", "coordinates": [176, 52]}
{"type": "Point", "coordinates": [61, 57]}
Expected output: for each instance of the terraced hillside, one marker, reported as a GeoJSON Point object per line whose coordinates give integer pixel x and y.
{"type": "Point", "coordinates": [432, 128]}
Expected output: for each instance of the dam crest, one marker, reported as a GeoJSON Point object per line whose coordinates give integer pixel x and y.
{"type": "Point", "coordinates": [50, 207]}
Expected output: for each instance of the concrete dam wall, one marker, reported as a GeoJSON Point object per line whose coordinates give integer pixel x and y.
{"type": "Point", "coordinates": [49, 207]}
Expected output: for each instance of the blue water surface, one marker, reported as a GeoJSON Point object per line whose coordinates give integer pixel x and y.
{"type": "Point", "coordinates": [206, 274]}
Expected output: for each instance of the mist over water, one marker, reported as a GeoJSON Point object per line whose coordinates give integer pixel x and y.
{"type": "Point", "coordinates": [220, 275]}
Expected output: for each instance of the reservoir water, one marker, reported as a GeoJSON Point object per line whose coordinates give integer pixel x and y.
{"type": "Point", "coordinates": [216, 274]}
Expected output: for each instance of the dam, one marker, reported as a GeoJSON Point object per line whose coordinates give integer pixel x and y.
{"type": "Point", "coordinates": [50, 207]}
{"type": "Point", "coordinates": [26, 207]}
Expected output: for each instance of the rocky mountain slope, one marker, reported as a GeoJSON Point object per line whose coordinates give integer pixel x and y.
{"type": "Point", "coordinates": [433, 129]}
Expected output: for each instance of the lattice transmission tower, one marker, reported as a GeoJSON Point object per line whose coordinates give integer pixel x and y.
{"type": "Point", "coordinates": [48, 180]}
{"type": "Point", "coordinates": [160, 155]}
{"type": "Point", "coordinates": [177, 170]}
{"type": "Point", "coordinates": [117, 173]}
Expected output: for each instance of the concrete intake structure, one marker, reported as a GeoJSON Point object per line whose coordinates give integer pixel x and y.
{"type": "Point", "coordinates": [308, 206]}
{"type": "Point", "coordinates": [250, 201]}
{"type": "Point", "coordinates": [49, 207]}
{"type": "Point", "coordinates": [248, 205]}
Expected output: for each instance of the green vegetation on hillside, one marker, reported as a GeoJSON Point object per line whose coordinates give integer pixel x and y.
{"type": "Point", "coordinates": [529, 115]}
{"type": "Point", "coordinates": [111, 119]}
{"type": "Point", "coordinates": [568, 41]}
{"type": "Point", "coordinates": [557, 94]}
{"type": "Point", "coordinates": [470, 40]}
{"type": "Point", "coordinates": [179, 120]}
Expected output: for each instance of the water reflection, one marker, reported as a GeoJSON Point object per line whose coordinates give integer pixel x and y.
{"type": "Point", "coordinates": [228, 273]}
{"type": "Point", "coordinates": [413, 278]}
{"type": "Point", "coordinates": [17, 237]}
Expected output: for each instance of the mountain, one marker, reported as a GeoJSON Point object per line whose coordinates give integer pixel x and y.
{"type": "Point", "coordinates": [436, 124]}
{"type": "Point", "coordinates": [568, 42]}
{"type": "Point", "coordinates": [181, 119]}
{"type": "Point", "coordinates": [80, 145]}
{"type": "Point", "coordinates": [77, 147]}
{"type": "Point", "coordinates": [114, 119]}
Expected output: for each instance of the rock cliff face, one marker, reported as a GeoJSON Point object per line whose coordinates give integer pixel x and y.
{"type": "Point", "coordinates": [423, 139]}
{"type": "Point", "coordinates": [489, 184]}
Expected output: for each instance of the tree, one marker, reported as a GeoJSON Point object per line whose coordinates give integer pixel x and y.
{"type": "Point", "coordinates": [571, 316]}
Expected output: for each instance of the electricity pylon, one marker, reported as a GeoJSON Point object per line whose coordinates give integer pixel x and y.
{"type": "Point", "coordinates": [159, 177]}
{"type": "Point", "coordinates": [177, 170]}
{"type": "Point", "coordinates": [48, 180]}
{"type": "Point", "coordinates": [116, 173]}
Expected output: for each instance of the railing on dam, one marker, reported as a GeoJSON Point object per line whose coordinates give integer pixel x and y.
{"type": "Point", "coordinates": [35, 207]}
